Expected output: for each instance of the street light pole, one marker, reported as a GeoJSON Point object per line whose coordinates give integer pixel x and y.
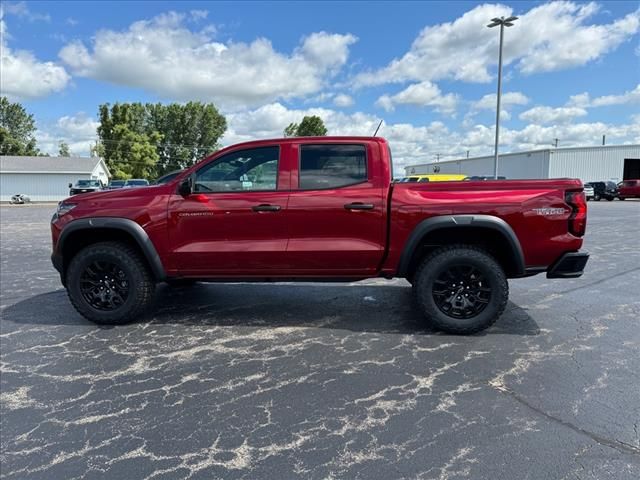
{"type": "Point", "coordinates": [502, 22]}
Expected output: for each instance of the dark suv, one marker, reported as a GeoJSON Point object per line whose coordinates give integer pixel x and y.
{"type": "Point", "coordinates": [606, 190]}
{"type": "Point", "coordinates": [85, 186]}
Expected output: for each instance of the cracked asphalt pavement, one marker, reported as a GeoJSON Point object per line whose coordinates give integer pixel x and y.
{"type": "Point", "coordinates": [322, 381]}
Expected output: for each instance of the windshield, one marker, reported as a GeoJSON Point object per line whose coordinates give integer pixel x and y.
{"type": "Point", "coordinates": [117, 183]}
{"type": "Point", "coordinates": [137, 182]}
{"type": "Point", "coordinates": [168, 177]}
{"type": "Point", "coordinates": [88, 183]}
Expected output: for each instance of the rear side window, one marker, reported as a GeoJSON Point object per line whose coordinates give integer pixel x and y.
{"type": "Point", "coordinates": [332, 166]}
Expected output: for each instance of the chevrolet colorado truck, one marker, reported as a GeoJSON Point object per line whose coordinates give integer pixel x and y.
{"type": "Point", "coordinates": [318, 209]}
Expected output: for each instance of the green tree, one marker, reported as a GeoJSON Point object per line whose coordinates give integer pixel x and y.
{"type": "Point", "coordinates": [190, 132]}
{"type": "Point", "coordinates": [132, 154]}
{"type": "Point", "coordinates": [17, 129]}
{"type": "Point", "coordinates": [181, 134]}
{"type": "Point", "coordinates": [310, 126]}
{"type": "Point", "coordinates": [291, 130]}
{"type": "Point", "coordinates": [63, 149]}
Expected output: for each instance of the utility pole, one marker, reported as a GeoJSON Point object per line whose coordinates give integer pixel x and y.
{"type": "Point", "coordinates": [556, 143]}
{"type": "Point", "coordinates": [502, 22]}
{"type": "Point", "coordinates": [438, 157]}
{"type": "Point", "coordinates": [603, 138]}
{"type": "Point", "coordinates": [467, 153]}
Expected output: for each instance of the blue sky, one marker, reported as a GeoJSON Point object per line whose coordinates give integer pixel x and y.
{"type": "Point", "coordinates": [427, 68]}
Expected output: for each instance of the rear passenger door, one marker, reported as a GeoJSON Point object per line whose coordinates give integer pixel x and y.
{"type": "Point", "coordinates": [336, 212]}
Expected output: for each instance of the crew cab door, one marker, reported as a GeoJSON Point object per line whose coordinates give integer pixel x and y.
{"type": "Point", "coordinates": [336, 210]}
{"type": "Point", "coordinates": [233, 223]}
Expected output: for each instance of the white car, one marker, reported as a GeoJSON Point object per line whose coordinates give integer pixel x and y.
{"type": "Point", "coordinates": [588, 191]}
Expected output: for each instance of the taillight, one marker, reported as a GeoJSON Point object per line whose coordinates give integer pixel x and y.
{"type": "Point", "coordinates": [578, 217]}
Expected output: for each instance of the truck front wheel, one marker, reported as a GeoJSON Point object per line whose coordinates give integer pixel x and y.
{"type": "Point", "coordinates": [461, 289]}
{"type": "Point", "coordinates": [109, 283]}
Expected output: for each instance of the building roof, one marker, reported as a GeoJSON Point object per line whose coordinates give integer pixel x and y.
{"type": "Point", "coordinates": [526, 152]}
{"type": "Point", "coordinates": [78, 165]}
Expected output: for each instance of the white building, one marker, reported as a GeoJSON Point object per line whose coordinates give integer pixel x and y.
{"type": "Point", "coordinates": [46, 179]}
{"type": "Point", "coordinates": [611, 162]}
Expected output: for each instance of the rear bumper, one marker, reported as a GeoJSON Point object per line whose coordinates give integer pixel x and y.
{"type": "Point", "coordinates": [569, 265]}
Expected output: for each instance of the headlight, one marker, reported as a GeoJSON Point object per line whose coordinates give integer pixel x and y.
{"type": "Point", "coordinates": [65, 208]}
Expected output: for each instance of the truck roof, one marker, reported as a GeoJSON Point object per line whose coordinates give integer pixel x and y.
{"type": "Point", "coordinates": [325, 139]}
{"type": "Point", "coordinates": [270, 141]}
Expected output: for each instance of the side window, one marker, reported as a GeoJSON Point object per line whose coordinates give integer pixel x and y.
{"type": "Point", "coordinates": [332, 166]}
{"type": "Point", "coordinates": [244, 170]}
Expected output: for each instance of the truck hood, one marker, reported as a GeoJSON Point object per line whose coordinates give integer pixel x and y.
{"type": "Point", "coordinates": [116, 194]}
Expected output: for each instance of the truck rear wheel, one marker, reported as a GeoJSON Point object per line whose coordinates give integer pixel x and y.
{"type": "Point", "coordinates": [461, 289]}
{"type": "Point", "coordinates": [109, 283]}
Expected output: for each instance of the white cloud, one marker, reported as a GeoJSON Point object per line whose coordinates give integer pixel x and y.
{"type": "Point", "coordinates": [569, 135]}
{"type": "Point", "coordinates": [422, 94]}
{"type": "Point", "coordinates": [24, 76]}
{"type": "Point", "coordinates": [198, 14]}
{"type": "Point", "coordinates": [546, 115]}
{"type": "Point", "coordinates": [584, 99]}
{"type": "Point", "coordinates": [551, 36]}
{"type": "Point", "coordinates": [412, 144]}
{"type": "Point", "coordinates": [20, 9]}
{"type": "Point", "coordinates": [78, 131]}
{"type": "Point", "coordinates": [343, 100]}
{"type": "Point", "coordinates": [163, 56]}
{"type": "Point", "coordinates": [488, 102]}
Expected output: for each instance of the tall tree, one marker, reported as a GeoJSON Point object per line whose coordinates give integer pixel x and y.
{"type": "Point", "coordinates": [181, 134]}
{"type": "Point", "coordinates": [291, 130]}
{"type": "Point", "coordinates": [17, 129]}
{"type": "Point", "coordinates": [310, 126]}
{"type": "Point", "coordinates": [132, 154]}
{"type": "Point", "coordinates": [63, 149]}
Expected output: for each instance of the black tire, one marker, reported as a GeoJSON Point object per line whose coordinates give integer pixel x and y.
{"type": "Point", "coordinates": [621, 198]}
{"type": "Point", "coordinates": [132, 278]}
{"type": "Point", "coordinates": [609, 199]}
{"type": "Point", "coordinates": [430, 274]}
{"type": "Point", "coordinates": [596, 198]}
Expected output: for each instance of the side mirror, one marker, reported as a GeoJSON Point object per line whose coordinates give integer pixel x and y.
{"type": "Point", "coordinates": [186, 187]}
{"type": "Point", "coordinates": [70, 185]}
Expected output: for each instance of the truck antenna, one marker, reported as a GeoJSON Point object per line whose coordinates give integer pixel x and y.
{"type": "Point", "coordinates": [376, 132]}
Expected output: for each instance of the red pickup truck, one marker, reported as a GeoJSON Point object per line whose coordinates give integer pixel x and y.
{"type": "Point", "coordinates": [318, 209]}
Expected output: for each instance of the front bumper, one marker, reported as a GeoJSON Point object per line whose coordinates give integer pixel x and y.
{"type": "Point", "coordinates": [569, 265]}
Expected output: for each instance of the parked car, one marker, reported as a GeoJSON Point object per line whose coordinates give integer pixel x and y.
{"type": "Point", "coordinates": [607, 190]}
{"type": "Point", "coordinates": [136, 182]}
{"type": "Point", "coordinates": [167, 177]}
{"type": "Point", "coordinates": [588, 191]}
{"type": "Point", "coordinates": [314, 208]}
{"type": "Point", "coordinates": [629, 189]}
{"type": "Point", "coordinates": [85, 186]}
{"type": "Point", "coordinates": [115, 184]}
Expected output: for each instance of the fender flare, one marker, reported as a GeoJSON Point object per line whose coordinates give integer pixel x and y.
{"type": "Point", "coordinates": [126, 225]}
{"type": "Point", "coordinates": [455, 221]}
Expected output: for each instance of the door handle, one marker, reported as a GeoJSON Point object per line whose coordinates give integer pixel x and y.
{"type": "Point", "coordinates": [359, 206]}
{"type": "Point", "coordinates": [265, 207]}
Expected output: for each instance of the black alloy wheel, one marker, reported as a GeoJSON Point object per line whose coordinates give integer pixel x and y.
{"type": "Point", "coordinates": [110, 283]}
{"type": "Point", "coordinates": [461, 291]}
{"type": "Point", "coordinates": [104, 285]}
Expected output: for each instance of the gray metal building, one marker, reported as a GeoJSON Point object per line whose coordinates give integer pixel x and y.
{"type": "Point", "coordinates": [610, 162]}
{"type": "Point", "coordinates": [46, 179]}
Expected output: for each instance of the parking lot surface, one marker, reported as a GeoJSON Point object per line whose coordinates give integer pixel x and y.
{"type": "Point", "coordinates": [320, 381]}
